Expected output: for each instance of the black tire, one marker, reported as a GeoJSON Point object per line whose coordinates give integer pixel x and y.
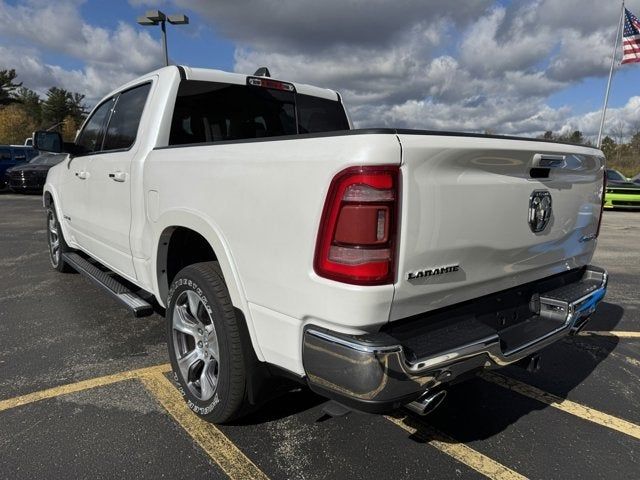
{"type": "Point", "coordinates": [54, 233]}
{"type": "Point", "coordinates": [213, 305]}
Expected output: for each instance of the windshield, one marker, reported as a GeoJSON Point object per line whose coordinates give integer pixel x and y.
{"type": "Point", "coordinates": [615, 176]}
{"type": "Point", "coordinates": [47, 159]}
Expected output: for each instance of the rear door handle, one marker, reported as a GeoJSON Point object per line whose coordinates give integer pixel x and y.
{"type": "Point", "coordinates": [82, 175]}
{"type": "Point", "coordinates": [118, 176]}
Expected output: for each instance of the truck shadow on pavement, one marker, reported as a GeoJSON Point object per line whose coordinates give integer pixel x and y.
{"type": "Point", "coordinates": [294, 402]}
{"type": "Point", "coordinates": [478, 409]}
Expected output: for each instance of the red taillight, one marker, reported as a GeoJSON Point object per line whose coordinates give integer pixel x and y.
{"type": "Point", "coordinates": [357, 237]}
{"type": "Point", "coordinates": [604, 190]}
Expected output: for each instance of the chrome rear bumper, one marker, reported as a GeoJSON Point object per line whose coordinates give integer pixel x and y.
{"type": "Point", "coordinates": [375, 372]}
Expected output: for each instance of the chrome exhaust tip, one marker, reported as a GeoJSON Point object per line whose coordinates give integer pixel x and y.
{"type": "Point", "coordinates": [427, 403]}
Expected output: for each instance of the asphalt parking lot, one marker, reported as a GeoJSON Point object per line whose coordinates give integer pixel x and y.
{"type": "Point", "coordinates": [84, 393]}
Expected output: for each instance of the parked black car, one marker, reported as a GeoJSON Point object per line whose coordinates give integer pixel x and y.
{"type": "Point", "coordinates": [30, 177]}
{"type": "Point", "coordinates": [12, 155]}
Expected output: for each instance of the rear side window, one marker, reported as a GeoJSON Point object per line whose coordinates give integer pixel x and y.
{"type": "Point", "coordinates": [316, 115]}
{"type": "Point", "coordinates": [125, 119]}
{"type": "Point", "coordinates": [90, 138]}
{"type": "Point", "coordinates": [615, 176]}
{"type": "Point", "coordinates": [213, 112]}
{"type": "Point", "coordinates": [5, 155]}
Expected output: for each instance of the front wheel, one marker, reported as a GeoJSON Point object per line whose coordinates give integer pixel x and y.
{"type": "Point", "coordinates": [55, 241]}
{"type": "Point", "coordinates": [205, 344]}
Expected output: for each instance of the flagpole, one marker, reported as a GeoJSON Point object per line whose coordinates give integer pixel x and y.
{"type": "Point", "coordinates": [613, 61]}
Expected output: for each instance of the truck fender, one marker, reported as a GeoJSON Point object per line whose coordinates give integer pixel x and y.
{"type": "Point", "coordinates": [193, 220]}
{"type": "Point", "coordinates": [49, 192]}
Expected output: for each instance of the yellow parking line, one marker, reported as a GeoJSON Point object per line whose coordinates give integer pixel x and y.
{"type": "Point", "coordinates": [610, 334]}
{"type": "Point", "coordinates": [459, 451]}
{"type": "Point", "coordinates": [221, 450]}
{"type": "Point", "coordinates": [573, 408]}
{"type": "Point", "coordinates": [80, 386]}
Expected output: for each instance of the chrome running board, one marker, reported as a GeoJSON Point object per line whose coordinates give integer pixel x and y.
{"type": "Point", "coordinates": [138, 306]}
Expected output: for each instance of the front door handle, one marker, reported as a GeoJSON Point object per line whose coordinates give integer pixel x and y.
{"type": "Point", "coordinates": [82, 175]}
{"type": "Point", "coordinates": [118, 176]}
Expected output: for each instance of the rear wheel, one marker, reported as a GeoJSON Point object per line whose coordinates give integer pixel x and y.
{"type": "Point", "coordinates": [55, 241]}
{"type": "Point", "coordinates": [205, 344]}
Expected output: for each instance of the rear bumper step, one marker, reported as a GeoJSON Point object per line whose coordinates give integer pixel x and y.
{"type": "Point", "coordinates": [138, 306]}
{"type": "Point", "coordinates": [378, 372]}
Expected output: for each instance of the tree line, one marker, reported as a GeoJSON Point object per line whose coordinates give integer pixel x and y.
{"type": "Point", "coordinates": [621, 148]}
{"type": "Point", "coordinates": [22, 111]}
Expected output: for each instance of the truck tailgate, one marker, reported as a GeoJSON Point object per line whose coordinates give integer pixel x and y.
{"type": "Point", "coordinates": [465, 229]}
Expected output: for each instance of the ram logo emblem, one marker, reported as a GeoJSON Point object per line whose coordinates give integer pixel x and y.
{"type": "Point", "coordinates": [540, 207]}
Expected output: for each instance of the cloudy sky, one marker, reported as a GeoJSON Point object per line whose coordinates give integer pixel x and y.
{"type": "Point", "coordinates": [514, 67]}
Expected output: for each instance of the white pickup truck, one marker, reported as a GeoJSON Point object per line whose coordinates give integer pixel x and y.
{"type": "Point", "coordinates": [377, 266]}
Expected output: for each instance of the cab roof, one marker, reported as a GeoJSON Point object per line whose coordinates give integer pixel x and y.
{"type": "Point", "coordinates": [211, 75]}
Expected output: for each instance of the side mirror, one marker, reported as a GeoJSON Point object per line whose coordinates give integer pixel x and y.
{"type": "Point", "coordinates": [46, 141]}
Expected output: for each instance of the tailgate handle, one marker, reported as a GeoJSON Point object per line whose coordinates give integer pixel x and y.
{"type": "Point", "coordinates": [544, 160]}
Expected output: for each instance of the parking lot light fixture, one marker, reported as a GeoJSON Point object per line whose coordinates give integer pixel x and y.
{"type": "Point", "coordinates": [146, 21]}
{"type": "Point", "coordinates": [156, 17]}
{"type": "Point", "coordinates": [179, 19]}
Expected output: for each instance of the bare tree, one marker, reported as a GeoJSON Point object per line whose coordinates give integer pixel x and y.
{"type": "Point", "coordinates": [618, 132]}
{"type": "Point", "coordinates": [634, 137]}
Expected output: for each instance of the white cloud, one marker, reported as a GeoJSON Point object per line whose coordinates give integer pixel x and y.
{"type": "Point", "coordinates": [429, 66]}
{"type": "Point", "coordinates": [415, 63]}
{"type": "Point", "coordinates": [109, 57]}
{"type": "Point", "coordinates": [492, 46]}
{"type": "Point", "coordinates": [624, 120]}
{"type": "Point", "coordinates": [309, 25]}
{"type": "Point", "coordinates": [582, 56]}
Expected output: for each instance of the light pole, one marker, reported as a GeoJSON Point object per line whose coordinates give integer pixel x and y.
{"type": "Point", "coordinates": [156, 17]}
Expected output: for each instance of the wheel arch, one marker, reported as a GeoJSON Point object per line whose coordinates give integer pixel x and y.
{"type": "Point", "coordinates": [49, 196]}
{"type": "Point", "coordinates": [208, 244]}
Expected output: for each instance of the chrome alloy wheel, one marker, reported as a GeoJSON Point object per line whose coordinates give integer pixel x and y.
{"type": "Point", "coordinates": [54, 238]}
{"type": "Point", "coordinates": [196, 345]}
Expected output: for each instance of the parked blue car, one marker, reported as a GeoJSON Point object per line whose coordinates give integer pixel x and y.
{"type": "Point", "coordinates": [12, 155]}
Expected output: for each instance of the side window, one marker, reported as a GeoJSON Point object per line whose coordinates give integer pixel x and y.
{"type": "Point", "coordinates": [123, 126]}
{"type": "Point", "coordinates": [317, 115]}
{"type": "Point", "coordinates": [5, 155]}
{"type": "Point", "coordinates": [90, 138]}
{"type": "Point", "coordinates": [213, 112]}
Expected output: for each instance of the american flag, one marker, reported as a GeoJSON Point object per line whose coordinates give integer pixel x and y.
{"type": "Point", "coordinates": [630, 38]}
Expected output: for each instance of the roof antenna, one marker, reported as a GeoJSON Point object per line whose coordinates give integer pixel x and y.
{"type": "Point", "coordinates": [262, 72]}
